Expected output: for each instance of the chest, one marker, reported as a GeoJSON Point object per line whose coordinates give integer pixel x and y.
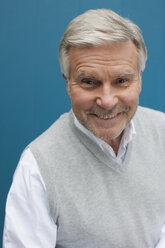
{"type": "Point", "coordinates": [102, 207]}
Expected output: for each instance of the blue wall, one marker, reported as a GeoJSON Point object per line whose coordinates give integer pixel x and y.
{"type": "Point", "coordinates": [32, 91]}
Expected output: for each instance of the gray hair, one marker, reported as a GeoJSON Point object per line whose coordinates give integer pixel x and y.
{"type": "Point", "coordinates": [98, 27]}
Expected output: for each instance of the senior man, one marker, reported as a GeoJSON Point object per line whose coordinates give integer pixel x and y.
{"type": "Point", "coordinates": [96, 177]}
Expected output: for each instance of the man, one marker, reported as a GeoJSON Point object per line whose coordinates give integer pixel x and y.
{"type": "Point", "coordinates": [96, 177]}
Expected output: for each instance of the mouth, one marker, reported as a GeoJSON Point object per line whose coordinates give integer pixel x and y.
{"type": "Point", "coordinates": [108, 117]}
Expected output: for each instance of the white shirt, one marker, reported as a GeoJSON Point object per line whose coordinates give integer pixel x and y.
{"type": "Point", "coordinates": [129, 134]}
{"type": "Point", "coordinates": [28, 222]}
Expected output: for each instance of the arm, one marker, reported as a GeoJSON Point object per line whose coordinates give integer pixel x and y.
{"type": "Point", "coordinates": [27, 221]}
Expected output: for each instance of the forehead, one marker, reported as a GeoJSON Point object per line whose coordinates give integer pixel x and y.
{"type": "Point", "coordinates": [119, 56]}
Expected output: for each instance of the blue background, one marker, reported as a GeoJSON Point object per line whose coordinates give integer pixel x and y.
{"type": "Point", "coordinates": [32, 91]}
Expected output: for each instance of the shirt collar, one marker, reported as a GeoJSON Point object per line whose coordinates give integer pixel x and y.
{"type": "Point", "coordinates": [128, 135]}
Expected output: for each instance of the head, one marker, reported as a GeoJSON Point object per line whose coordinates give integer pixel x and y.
{"type": "Point", "coordinates": [99, 27]}
{"type": "Point", "coordinates": [102, 57]}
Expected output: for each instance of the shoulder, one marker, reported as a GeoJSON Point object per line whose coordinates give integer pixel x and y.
{"type": "Point", "coordinates": [57, 129]}
{"type": "Point", "coordinates": [58, 135]}
{"type": "Point", "coordinates": [149, 120]}
{"type": "Point", "coordinates": [149, 113]}
{"type": "Point", "coordinates": [59, 125]}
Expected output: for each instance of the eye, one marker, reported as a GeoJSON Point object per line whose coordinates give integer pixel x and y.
{"type": "Point", "coordinates": [122, 80]}
{"type": "Point", "coordinates": [88, 83]}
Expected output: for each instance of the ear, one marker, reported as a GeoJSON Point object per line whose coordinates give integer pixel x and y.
{"type": "Point", "coordinates": [67, 84]}
{"type": "Point", "coordinates": [140, 82]}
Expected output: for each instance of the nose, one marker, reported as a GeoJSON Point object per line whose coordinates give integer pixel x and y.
{"type": "Point", "coordinates": [107, 97]}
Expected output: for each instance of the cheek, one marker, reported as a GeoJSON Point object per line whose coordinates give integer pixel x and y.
{"type": "Point", "coordinates": [132, 100]}
{"type": "Point", "coordinates": [132, 95]}
{"type": "Point", "coordinates": [82, 100]}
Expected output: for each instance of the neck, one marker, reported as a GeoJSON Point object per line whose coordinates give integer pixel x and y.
{"type": "Point", "coordinates": [115, 143]}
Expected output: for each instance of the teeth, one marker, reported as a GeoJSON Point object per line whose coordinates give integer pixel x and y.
{"type": "Point", "coordinates": [105, 117]}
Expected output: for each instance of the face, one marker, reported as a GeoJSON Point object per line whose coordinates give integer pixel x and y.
{"type": "Point", "coordinates": [104, 88]}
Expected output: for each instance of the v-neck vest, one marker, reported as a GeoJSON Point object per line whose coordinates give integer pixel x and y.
{"type": "Point", "coordinates": [96, 202]}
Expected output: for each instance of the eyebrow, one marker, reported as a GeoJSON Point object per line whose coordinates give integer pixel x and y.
{"type": "Point", "coordinates": [125, 74]}
{"type": "Point", "coordinates": [85, 74]}
{"type": "Point", "coordinates": [82, 74]}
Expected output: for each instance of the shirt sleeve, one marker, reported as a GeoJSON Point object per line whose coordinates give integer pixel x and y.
{"type": "Point", "coordinates": [28, 222]}
{"type": "Point", "coordinates": [161, 243]}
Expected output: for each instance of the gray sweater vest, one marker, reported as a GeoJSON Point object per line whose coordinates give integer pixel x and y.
{"type": "Point", "coordinates": [95, 202]}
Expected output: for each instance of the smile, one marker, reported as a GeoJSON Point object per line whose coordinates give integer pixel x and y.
{"type": "Point", "coordinates": [107, 117]}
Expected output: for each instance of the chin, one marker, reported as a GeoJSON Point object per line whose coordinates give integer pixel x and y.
{"type": "Point", "coordinates": [108, 135]}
